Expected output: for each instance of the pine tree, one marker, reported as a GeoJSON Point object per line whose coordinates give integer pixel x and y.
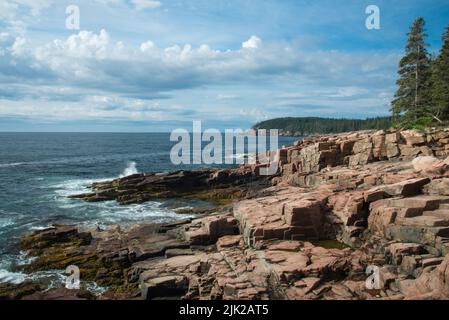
{"type": "Point", "coordinates": [412, 96]}
{"type": "Point", "coordinates": [439, 107]}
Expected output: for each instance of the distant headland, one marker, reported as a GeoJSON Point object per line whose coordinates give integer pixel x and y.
{"type": "Point", "coordinates": [304, 126]}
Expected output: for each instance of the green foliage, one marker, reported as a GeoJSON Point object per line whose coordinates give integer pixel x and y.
{"type": "Point", "coordinates": [440, 82]}
{"type": "Point", "coordinates": [309, 125]}
{"type": "Point", "coordinates": [422, 97]}
{"type": "Point", "coordinates": [413, 96]}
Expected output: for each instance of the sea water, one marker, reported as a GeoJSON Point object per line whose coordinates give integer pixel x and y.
{"type": "Point", "coordinates": [39, 170]}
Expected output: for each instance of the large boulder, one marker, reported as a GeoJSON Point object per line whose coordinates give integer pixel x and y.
{"type": "Point", "coordinates": [286, 214]}
{"type": "Point", "coordinates": [430, 165]}
{"type": "Point", "coordinates": [432, 284]}
{"type": "Point", "coordinates": [413, 137]}
{"type": "Point", "coordinates": [208, 230]}
{"type": "Point", "coordinates": [392, 150]}
{"type": "Point", "coordinates": [393, 218]}
{"type": "Point", "coordinates": [405, 188]}
{"type": "Point", "coordinates": [399, 250]}
{"type": "Point", "coordinates": [438, 187]}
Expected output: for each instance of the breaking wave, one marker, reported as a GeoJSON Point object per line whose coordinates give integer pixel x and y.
{"type": "Point", "coordinates": [130, 169]}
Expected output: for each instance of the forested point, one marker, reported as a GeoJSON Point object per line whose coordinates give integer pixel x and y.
{"type": "Point", "coordinates": [314, 125]}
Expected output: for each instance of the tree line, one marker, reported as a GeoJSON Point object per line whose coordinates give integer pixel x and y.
{"type": "Point", "coordinates": [313, 125]}
{"type": "Point", "coordinates": [422, 97]}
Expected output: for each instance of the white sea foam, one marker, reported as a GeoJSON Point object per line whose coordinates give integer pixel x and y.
{"type": "Point", "coordinates": [76, 186]}
{"type": "Point", "coordinates": [130, 169]}
{"type": "Point", "coordinates": [53, 278]}
{"type": "Point", "coordinates": [12, 277]}
{"type": "Point", "coordinates": [5, 222]}
{"type": "Point", "coordinates": [246, 156]}
{"type": "Point", "coordinates": [7, 165]}
{"type": "Point", "coordinates": [38, 228]}
{"type": "Point", "coordinates": [24, 258]}
{"type": "Point", "coordinates": [109, 212]}
{"type": "Point", "coordinates": [152, 211]}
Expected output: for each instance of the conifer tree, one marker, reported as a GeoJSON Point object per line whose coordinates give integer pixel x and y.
{"type": "Point", "coordinates": [412, 97]}
{"type": "Point", "coordinates": [439, 108]}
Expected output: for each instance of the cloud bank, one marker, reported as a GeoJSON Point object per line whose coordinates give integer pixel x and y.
{"type": "Point", "coordinates": [118, 80]}
{"type": "Point", "coordinates": [148, 61]}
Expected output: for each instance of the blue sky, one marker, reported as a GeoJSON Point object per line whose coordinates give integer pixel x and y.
{"type": "Point", "coordinates": [147, 65]}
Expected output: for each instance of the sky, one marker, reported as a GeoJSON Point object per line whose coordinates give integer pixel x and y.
{"type": "Point", "coordinates": [147, 65]}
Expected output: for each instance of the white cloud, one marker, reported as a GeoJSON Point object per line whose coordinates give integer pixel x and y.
{"type": "Point", "coordinates": [8, 9]}
{"type": "Point", "coordinates": [15, 15]}
{"type": "Point", "coordinates": [254, 114]}
{"type": "Point", "coordinates": [146, 4]}
{"type": "Point", "coordinates": [146, 46]}
{"type": "Point", "coordinates": [252, 43]}
{"type": "Point", "coordinates": [4, 36]}
{"type": "Point", "coordinates": [19, 47]}
{"type": "Point", "coordinates": [226, 96]}
{"type": "Point", "coordinates": [347, 92]}
{"type": "Point", "coordinates": [35, 6]}
{"type": "Point", "coordinates": [101, 78]}
{"type": "Point", "coordinates": [184, 65]}
{"type": "Point", "coordinates": [83, 45]}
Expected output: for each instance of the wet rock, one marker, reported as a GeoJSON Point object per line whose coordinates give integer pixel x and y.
{"type": "Point", "coordinates": [165, 287]}
{"type": "Point", "coordinates": [61, 294]}
{"type": "Point", "coordinates": [11, 291]}
{"type": "Point", "coordinates": [56, 234]}
{"type": "Point", "coordinates": [203, 183]}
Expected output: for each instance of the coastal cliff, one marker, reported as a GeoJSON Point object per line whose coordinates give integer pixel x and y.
{"type": "Point", "coordinates": [337, 206]}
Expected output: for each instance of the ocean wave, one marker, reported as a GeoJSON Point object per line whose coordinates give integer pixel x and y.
{"type": "Point", "coordinates": [5, 222]}
{"type": "Point", "coordinates": [14, 164]}
{"type": "Point", "coordinates": [246, 156]}
{"type": "Point", "coordinates": [82, 159]}
{"type": "Point", "coordinates": [130, 169]}
{"type": "Point", "coordinates": [51, 278]}
{"type": "Point", "coordinates": [72, 187]}
{"type": "Point", "coordinates": [39, 228]}
{"type": "Point", "coordinates": [12, 277]}
{"type": "Point", "coordinates": [108, 212]}
{"type": "Point", "coordinates": [112, 213]}
{"type": "Point", "coordinates": [77, 186]}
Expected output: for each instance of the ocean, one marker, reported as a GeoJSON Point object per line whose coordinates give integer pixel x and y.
{"type": "Point", "coordinates": [39, 170]}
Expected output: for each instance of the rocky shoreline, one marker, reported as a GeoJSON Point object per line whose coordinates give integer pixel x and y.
{"type": "Point", "coordinates": [338, 205]}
